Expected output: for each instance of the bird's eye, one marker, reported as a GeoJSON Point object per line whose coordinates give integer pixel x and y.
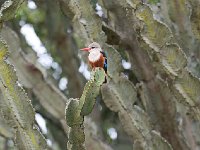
{"type": "Point", "coordinates": [92, 47]}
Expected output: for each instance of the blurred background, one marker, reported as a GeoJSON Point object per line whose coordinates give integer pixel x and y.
{"type": "Point", "coordinates": [51, 67]}
{"type": "Point", "coordinates": [46, 34]}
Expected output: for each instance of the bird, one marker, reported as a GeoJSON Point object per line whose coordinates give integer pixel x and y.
{"type": "Point", "coordinates": [96, 57]}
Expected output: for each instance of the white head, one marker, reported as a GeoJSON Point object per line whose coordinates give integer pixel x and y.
{"type": "Point", "coordinates": [94, 49]}
{"type": "Point", "coordinates": [92, 46]}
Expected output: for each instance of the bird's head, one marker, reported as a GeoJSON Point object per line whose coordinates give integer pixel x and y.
{"type": "Point", "coordinates": [93, 46]}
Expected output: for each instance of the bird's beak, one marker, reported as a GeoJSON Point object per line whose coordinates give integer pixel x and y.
{"type": "Point", "coordinates": [86, 49]}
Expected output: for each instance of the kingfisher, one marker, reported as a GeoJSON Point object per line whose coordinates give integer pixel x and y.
{"type": "Point", "coordinates": [96, 57]}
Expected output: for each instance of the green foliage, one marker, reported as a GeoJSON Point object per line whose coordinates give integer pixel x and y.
{"type": "Point", "coordinates": [195, 18]}
{"type": "Point", "coordinates": [150, 26]}
{"type": "Point", "coordinates": [119, 94]}
{"type": "Point", "coordinates": [15, 106]}
{"type": "Point", "coordinates": [92, 91]}
{"type": "Point", "coordinates": [35, 16]}
{"type": "Point", "coordinates": [171, 57]}
{"type": "Point", "coordinates": [72, 113]}
{"type": "Point", "coordinates": [8, 9]}
{"type": "Point", "coordinates": [153, 1]}
{"type": "Point", "coordinates": [113, 59]}
{"type": "Point", "coordinates": [76, 109]}
{"type": "Point", "coordinates": [76, 135]}
{"type": "Point", "coordinates": [186, 89]}
{"type": "Point", "coordinates": [151, 111]}
{"type": "Point", "coordinates": [93, 3]}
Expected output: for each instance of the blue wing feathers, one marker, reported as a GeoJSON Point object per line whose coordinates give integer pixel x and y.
{"type": "Point", "coordinates": [105, 62]}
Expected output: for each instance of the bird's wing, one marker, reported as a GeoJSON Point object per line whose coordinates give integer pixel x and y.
{"type": "Point", "coordinates": [105, 61]}
{"type": "Point", "coordinates": [104, 54]}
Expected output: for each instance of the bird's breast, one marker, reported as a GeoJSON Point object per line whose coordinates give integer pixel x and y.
{"type": "Point", "coordinates": [97, 63]}
{"type": "Point", "coordinates": [94, 56]}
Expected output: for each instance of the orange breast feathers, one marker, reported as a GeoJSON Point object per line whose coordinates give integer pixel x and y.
{"type": "Point", "coordinates": [98, 63]}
